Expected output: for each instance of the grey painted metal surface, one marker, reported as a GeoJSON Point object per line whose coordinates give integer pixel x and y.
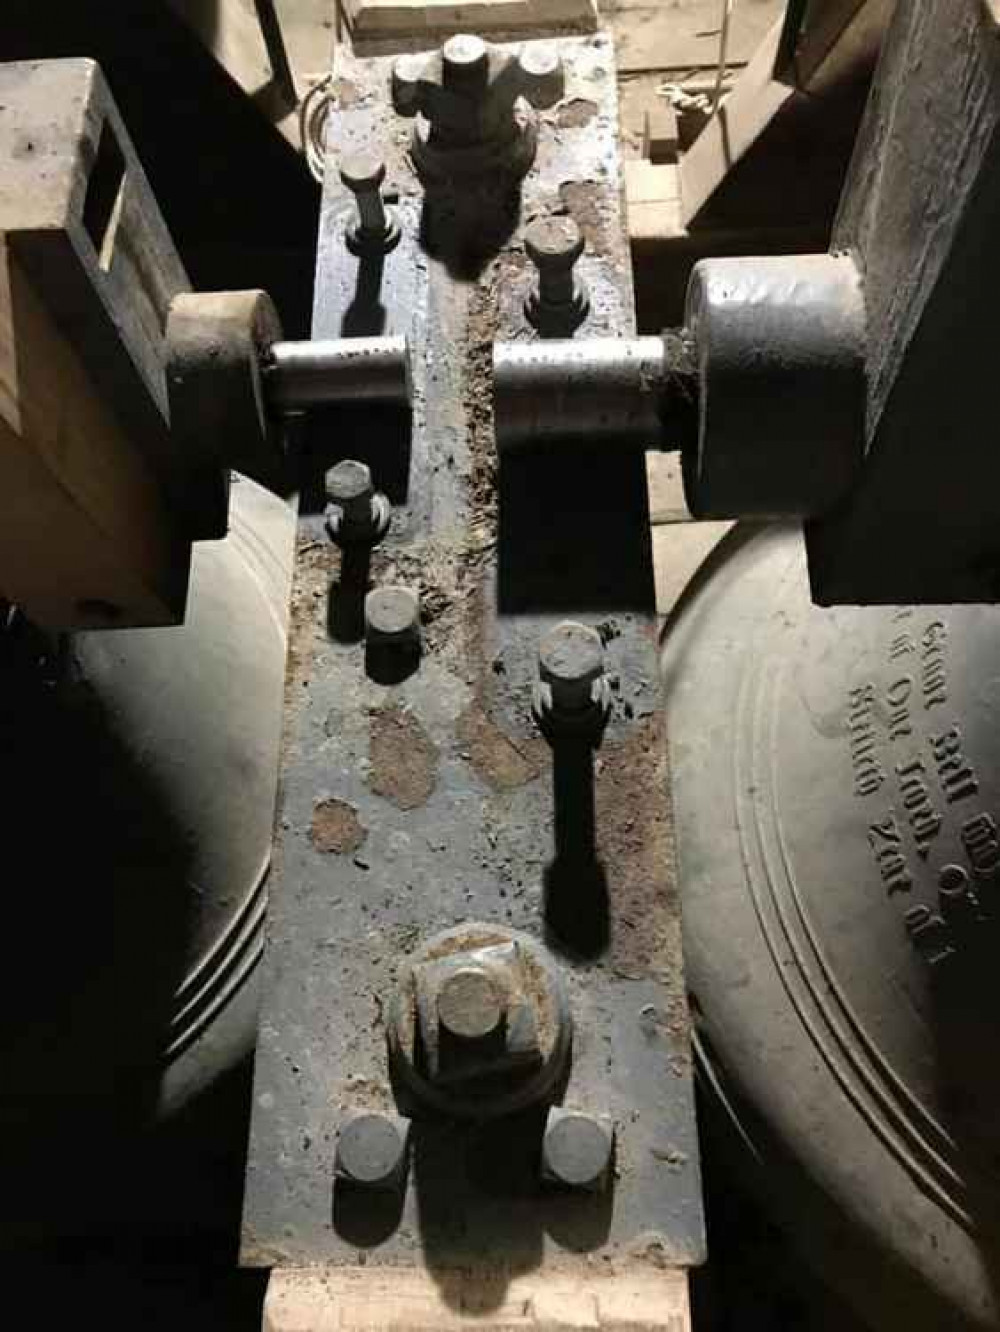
{"type": "Point", "coordinates": [419, 802]}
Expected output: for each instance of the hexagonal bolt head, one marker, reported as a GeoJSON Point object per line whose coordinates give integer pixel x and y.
{"type": "Point", "coordinates": [577, 1150]}
{"type": "Point", "coordinates": [392, 618]}
{"type": "Point", "coordinates": [471, 1005]}
{"type": "Point", "coordinates": [475, 1014]}
{"type": "Point", "coordinates": [361, 513]}
{"type": "Point", "coordinates": [372, 1150]}
{"type": "Point", "coordinates": [571, 663]}
{"type": "Point", "coordinates": [465, 64]}
{"type": "Point", "coordinates": [559, 300]}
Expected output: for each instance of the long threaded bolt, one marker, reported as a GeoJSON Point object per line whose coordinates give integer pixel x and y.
{"type": "Point", "coordinates": [363, 173]}
{"type": "Point", "coordinates": [554, 244]}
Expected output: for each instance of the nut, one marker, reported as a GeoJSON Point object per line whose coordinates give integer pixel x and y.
{"type": "Point", "coordinates": [480, 1024]}
{"type": "Point", "coordinates": [361, 513]}
{"type": "Point", "coordinates": [571, 663]}
{"type": "Point", "coordinates": [466, 93]}
{"type": "Point", "coordinates": [392, 618]}
{"type": "Point", "coordinates": [372, 1150]}
{"type": "Point", "coordinates": [577, 1150]}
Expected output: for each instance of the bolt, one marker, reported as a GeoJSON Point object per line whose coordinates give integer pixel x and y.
{"type": "Point", "coordinates": [465, 64]}
{"type": "Point", "coordinates": [571, 663]}
{"type": "Point", "coordinates": [541, 74]}
{"type": "Point", "coordinates": [559, 304]}
{"type": "Point", "coordinates": [374, 230]}
{"type": "Point", "coordinates": [372, 1150]}
{"type": "Point", "coordinates": [392, 618]}
{"type": "Point", "coordinates": [362, 513]}
{"type": "Point", "coordinates": [470, 1004]}
{"type": "Point", "coordinates": [577, 1150]}
{"type": "Point", "coordinates": [407, 73]}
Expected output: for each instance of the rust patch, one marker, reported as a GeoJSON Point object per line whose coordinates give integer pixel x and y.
{"type": "Point", "coordinates": [632, 803]}
{"type": "Point", "coordinates": [402, 759]}
{"type": "Point", "coordinates": [576, 113]}
{"type": "Point", "coordinates": [584, 201]}
{"type": "Point", "coordinates": [336, 828]}
{"type": "Point", "coordinates": [501, 762]}
{"type": "Point", "coordinates": [345, 92]}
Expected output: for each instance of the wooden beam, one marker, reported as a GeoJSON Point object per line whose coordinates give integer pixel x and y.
{"type": "Point", "coordinates": [373, 1299]}
{"type": "Point", "coordinates": [85, 540]}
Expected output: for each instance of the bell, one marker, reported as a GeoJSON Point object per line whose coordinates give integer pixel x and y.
{"type": "Point", "coordinates": [836, 786]}
{"type": "Point", "coordinates": [140, 774]}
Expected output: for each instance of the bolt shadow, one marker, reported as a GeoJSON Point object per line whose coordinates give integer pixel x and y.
{"type": "Point", "coordinates": [465, 228]}
{"type": "Point", "coordinates": [577, 913]}
{"type": "Point", "coordinates": [366, 316]}
{"type": "Point", "coordinates": [376, 433]}
{"type": "Point", "coordinates": [345, 619]}
{"type": "Point", "coordinates": [366, 1218]}
{"type": "Point", "coordinates": [391, 664]}
{"type": "Point", "coordinates": [478, 1195]}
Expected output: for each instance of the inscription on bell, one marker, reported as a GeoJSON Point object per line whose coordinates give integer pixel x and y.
{"type": "Point", "coordinates": [933, 665]}
{"type": "Point", "coordinates": [958, 780]}
{"type": "Point", "coordinates": [863, 738]}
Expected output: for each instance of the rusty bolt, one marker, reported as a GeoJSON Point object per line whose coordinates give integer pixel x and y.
{"type": "Point", "coordinates": [360, 513]}
{"type": "Point", "coordinates": [571, 663]}
{"type": "Point", "coordinates": [392, 618]}
{"type": "Point", "coordinates": [541, 74]}
{"type": "Point", "coordinates": [470, 1004]}
{"type": "Point", "coordinates": [559, 304]}
{"type": "Point", "coordinates": [374, 230]}
{"type": "Point", "coordinates": [465, 64]}
{"type": "Point", "coordinates": [372, 1150]}
{"type": "Point", "coordinates": [577, 1150]}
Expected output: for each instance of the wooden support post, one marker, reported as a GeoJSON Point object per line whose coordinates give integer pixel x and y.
{"type": "Point", "coordinates": [92, 533]}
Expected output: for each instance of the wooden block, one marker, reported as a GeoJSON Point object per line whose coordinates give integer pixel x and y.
{"type": "Point", "coordinates": [372, 1299]}
{"type": "Point", "coordinates": [685, 36]}
{"type": "Point", "coordinates": [653, 199]}
{"type": "Point", "coordinates": [85, 540]}
{"type": "Point", "coordinates": [84, 228]}
{"type": "Point", "coordinates": [661, 138]}
{"type": "Point", "coordinates": [403, 18]}
{"type": "Point", "coordinates": [666, 489]}
{"type": "Point", "coordinates": [679, 549]}
{"type": "Point", "coordinates": [87, 274]}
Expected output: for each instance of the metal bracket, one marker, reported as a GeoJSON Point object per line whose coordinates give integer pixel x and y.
{"type": "Point", "coordinates": [425, 802]}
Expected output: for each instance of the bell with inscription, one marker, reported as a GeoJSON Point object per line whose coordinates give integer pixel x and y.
{"type": "Point", "coordinates": [836, 782]}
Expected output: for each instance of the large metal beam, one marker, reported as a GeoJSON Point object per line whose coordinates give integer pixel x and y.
{"type": "Point", "coordinates": [422, 798]}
